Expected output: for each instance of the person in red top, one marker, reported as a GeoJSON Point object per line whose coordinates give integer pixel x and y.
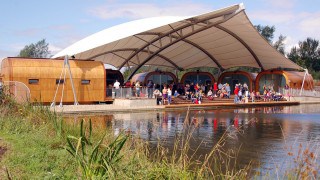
{"type": "Point", "coordinates": [127, 84]}
{"type": "Point", "coordinates": [236, 91]}
{"type": "Point", "coordinates": [215, 89]}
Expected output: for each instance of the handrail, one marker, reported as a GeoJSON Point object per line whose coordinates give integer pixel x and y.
{"type": "Point", "coordinates": [16, 92]}
{"type": "Point", "coordinates": [299, 92]}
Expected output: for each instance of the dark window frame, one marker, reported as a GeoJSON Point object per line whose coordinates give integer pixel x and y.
{"type": "Point", "coordinates": [85, 81]}
{"type": "Point", "coordinates": [33, 81]}
{"type": "Point", "coordinates": [61, 81]}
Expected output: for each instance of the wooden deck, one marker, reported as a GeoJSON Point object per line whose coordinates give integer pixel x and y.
{"type": "Point", "coordinates": [177, 104]}
{"type": "Point", "coordinates": [224, 102]}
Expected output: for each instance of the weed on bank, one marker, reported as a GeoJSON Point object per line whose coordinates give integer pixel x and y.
{"type": "Point", "coordinates": [38, 144]}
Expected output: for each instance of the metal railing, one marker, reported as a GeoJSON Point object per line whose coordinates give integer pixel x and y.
{"type": "Point", "coordinates": [127, 92]}
{"type": "Point", "coordinates": [18, 90]}
{"type": "Point", "coordinates": [298, 92]}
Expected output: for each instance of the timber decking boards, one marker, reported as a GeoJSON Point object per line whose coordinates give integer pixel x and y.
{"type": "Point", "coordinates": [110, 108]}
{"type": "Point", "coordinates": [233, 105]}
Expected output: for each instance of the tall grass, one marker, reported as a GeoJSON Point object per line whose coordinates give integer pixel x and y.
{"type": "Point", "coordinates": [128, 157]}
{"type": "Point", "coordinates": [41, 146]}
{"type": "Point", "coordinates": [97, 160]}
{"type": "Point", "coordinates": [34, 146]}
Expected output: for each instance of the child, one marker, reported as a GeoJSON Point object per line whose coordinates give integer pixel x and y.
{"type": "Point", "coordinates": [176, 94]}
{"type": "Point", "coordinates": [253, 96]}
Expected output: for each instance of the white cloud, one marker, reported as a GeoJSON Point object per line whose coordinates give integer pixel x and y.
{"type": "Point", "coordinates": [290, 42]}
{"type": "Point", "coordinates": [304, 25]}
{"type": "Point", "coordinates": [296, 26]}
{"type": "Point", "coordinates": [284, 4]}
{"type": "Point", "coordinates": [310, 24]}
{"type": "Point", "coordinates": [272, 17]}
{"type": "Point", "coordinates": [54, 49]}
{"type": "Point", "coordinates": [142, 10]}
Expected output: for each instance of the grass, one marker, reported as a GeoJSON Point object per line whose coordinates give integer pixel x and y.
{"type": "Point", "coordinates": [34, 148]}
{"type": "Point", "coordinates": [40, 145]}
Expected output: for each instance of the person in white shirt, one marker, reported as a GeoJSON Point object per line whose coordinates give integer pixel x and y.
{"type": "Point", "coordinates": [169, 96]}
{"type": "Point", "coordinates": [116, 85]}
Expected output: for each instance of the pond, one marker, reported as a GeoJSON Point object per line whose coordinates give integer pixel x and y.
{"type": "Point", "coordinates": [267, 137]}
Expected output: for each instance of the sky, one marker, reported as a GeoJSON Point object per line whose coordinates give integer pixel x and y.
{"type": "Point", "coordinates": [64, 22]}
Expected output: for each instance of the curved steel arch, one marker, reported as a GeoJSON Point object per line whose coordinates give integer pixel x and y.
{"type": "Point", "coordinates": [178, 40]}
{"type": "Point", "coordinates": [192, 44]}
{"type": "Point", "coordinates": [194, 21]}
{"type": "Point", "coordinates": [135, 49]}
{"type": "Point", "coordinates": [243, 43]}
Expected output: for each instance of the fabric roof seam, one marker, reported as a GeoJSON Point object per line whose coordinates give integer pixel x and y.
{"type": "Point", "coordinates": [173, 31]}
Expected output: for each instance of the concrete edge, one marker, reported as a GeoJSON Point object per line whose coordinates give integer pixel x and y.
{"type": "Point", "coordinates": [105, 109]}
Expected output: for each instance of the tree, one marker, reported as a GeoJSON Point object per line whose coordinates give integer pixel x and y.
{"type": "Point", "coordinates": [307, 54]}
{"type": "Point", "coordinates": [279, 44]}
{"type": "Point", "coordinates": [295, 56]}
{"type": "Point", "coordinates": [38, 50]}
{"type": "Point", "coordinates": [266, 31]}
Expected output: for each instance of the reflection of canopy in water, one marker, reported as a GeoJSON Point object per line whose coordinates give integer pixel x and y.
{"type": "Point", "coordinates": [224, 38]}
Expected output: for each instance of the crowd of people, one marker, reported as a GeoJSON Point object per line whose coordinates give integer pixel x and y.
{"type": "Point", "coordinates": [243, 95]}
{"type": "Point", "coordinates": [195, 92]}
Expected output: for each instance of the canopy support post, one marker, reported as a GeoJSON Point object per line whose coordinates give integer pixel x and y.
{"type": "Point", "coordinates": [65, 65]}
{"type": "Point", "coordinates": [66, 61]}
{"type": "Point", "coordinates": [304, 78]}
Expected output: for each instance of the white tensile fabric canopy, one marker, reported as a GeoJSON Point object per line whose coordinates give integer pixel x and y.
{"type": "Point", "coordinates": [224, 38]}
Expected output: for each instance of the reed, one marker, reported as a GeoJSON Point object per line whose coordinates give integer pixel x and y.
{"type": "Point", "coordinates": [129, 157]}
{"type": "Point", "coordinates": [96, 160]}
{"type": "Point", "coordinates": [40, 145]}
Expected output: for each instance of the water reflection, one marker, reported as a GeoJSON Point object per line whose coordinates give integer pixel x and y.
{"type": "Point", "coordinates": [261, 134]}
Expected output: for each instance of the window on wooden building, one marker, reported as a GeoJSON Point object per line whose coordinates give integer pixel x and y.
{"type": "Point", "coordinates": [85, 81]}
{"type": "Point", "coordinates": [59, 81]}
{"type": "Point", "coordinates": [33, 81]}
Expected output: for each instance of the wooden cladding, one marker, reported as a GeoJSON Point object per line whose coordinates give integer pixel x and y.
{"type": "Point", "coordinates": [42, 78]}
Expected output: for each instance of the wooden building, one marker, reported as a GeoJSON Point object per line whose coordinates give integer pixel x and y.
{"type": "Point", "coordinates": [197, 77]}
{"type": "Point", "coordinates": [158, 77]}
{"type": "Point", "coordinates": [236, 77]}
{"type": "Point", "coordinates": [42, 76]}
{"type": "Point", "coordinates": [279, 78]}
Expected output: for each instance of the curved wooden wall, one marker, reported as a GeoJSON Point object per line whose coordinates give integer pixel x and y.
{"type": "Point", "coordinates": [293, 78]}
{"type": "Point", "coordinates": [47, 71]}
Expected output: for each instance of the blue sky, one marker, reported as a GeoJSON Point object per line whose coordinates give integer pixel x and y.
{"type": "Point", "coordinates": [63, 22]}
